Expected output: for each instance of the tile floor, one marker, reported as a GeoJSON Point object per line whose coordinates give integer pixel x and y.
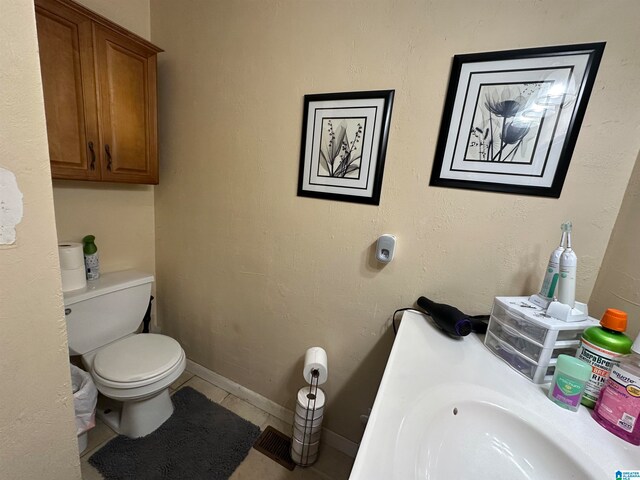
{"type": "Point", "coordinates": [331, 464]}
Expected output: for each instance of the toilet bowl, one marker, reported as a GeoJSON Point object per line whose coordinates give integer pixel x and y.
{"type": "Point", "coordinates": [132, 371]}
{"type": "Point", "coordinates": [137, 371]}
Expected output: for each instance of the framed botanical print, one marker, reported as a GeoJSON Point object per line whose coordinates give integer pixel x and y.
{"type": "Point", "coordinates": [343, 148]}
{"type": "Point", "coordinates": [511, 118]}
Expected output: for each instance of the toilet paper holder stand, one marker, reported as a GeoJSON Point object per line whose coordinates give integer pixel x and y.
{"type": "Point", "coordinates": [310, 413]}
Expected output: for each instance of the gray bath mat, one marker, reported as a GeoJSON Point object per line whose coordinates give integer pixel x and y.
{"type": "Point", "coordinates": [201, 440]}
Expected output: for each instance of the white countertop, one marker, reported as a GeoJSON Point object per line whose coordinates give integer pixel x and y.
{"type": "Point", "coordinates": [423, 357]}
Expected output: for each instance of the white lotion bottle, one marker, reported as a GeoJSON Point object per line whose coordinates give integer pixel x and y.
{"type": "Point", "coordinates": [568, 267]}
{"type": "Point", "coordinates": [550, 281]}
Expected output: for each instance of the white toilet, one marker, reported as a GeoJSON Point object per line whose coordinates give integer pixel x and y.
{"type": "Point", "coordinates": [133, 370]}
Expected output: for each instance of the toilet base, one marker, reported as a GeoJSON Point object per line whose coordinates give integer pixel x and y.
{"type": "Point", "coordinates": [135, 418]}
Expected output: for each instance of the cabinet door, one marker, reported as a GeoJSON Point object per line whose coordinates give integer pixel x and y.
{"type": "Point", "coordinates": [126, 76]}
{"type": "Point", "coordinates": [66, 62]}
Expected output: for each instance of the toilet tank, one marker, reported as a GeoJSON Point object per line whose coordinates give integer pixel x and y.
{"type": "Point", "coordinates": [109, 308]}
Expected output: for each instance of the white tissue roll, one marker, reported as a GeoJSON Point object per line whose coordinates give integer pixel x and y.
{"type": "Point", "coordinates": [311, 423]}
{"type": "Point", "coordinates": [73, 279]}
{"type": "Point", "coordinates": [304, 400]}
{"type": "Point", "coordinates": [304, 449]}
{"type": "Point", "coordinates": [307, 460]}
{"type": "Point", "coordinates": [71, 255]}
{"type": "Point", "coordinates": [306, 436]}
{"type": "Point", "coordinates": [309, 415]}
{"type": "Point", "coordinates": [315, 359]}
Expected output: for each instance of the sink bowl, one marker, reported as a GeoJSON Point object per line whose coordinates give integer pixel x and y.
{"type": "Point", "coordinates": [445, 434]}
{"type": "Point", "coordinates": [449, 409]}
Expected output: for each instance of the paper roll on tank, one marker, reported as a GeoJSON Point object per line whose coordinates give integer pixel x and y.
{"type": "Point", "coordinates": [315, 359]}
{"type": "Point", "coordinates": [72, 268]}
{"type": "Point", "coordinates": [71, 255]}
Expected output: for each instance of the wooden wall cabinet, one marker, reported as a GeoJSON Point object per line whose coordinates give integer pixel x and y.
{"type": "Point", "coordinates": [100, 96]}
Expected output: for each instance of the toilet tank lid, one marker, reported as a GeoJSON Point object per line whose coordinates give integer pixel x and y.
{"type": "Point", "coordinates": [107, 283]}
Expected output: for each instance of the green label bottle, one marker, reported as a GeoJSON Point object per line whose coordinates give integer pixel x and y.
{"type": "Point", "coordinates": [600, 347]}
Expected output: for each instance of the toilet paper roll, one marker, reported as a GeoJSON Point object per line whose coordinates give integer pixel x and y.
{"type": "Point", "coordinates": [304, 449]}
{"type": "Point", "coordinates": [303, 461]}
{"type": "Point", "coordinates": [71, 255]}
{"type": "Point", "coordinates": [309, 415]}
{"type": "Point", "coordinates": [315, 359]}
{"type": "Point", "coordinates": [73, 279]}
{"type": "Point", "coordinates": [305, 420]}
{"type": "Point", "coordinates": [306, 397]}
{"type": "Point", "coordinates": [307, 436]}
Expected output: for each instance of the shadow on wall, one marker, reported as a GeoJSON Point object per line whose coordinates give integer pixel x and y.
{"type": "Point", "coordinates": [293, 382]}
{"type": "Point", "coordinates": [359, 391]}
{"type": "Point", "coordinates": [371, 266]}
{"type": "Point", "coordinates": [76, 185]}
{"type": "Point", "coordinates": [520, 283]}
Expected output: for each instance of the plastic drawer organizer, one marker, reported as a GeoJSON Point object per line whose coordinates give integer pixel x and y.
{"type": "Point", "coordinates": [521, 334]}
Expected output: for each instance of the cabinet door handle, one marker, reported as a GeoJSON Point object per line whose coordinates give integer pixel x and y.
{"type": "Point", "coordinates": [92, 165]}
{"type": "Point", "coordinates": [108, 150]}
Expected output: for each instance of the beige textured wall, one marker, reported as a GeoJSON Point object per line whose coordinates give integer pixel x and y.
{"type": "Point", "coordinates": [130, 14]}
{"type": "Point", "coordinates": [37, 428]}
{"type": "Point", "coordinates": [618, 284]}
{"type": "Point", "coordinates": [120, 216]}
{"type": "Point", "coordinates": [250, 275]}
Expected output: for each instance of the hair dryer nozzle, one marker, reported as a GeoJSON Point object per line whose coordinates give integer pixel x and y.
{"type": "Point", "coordinates": [449, 318]}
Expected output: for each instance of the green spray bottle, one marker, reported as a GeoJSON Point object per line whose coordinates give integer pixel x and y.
{"type": "Point", "coordinates": [600, 347]}
{"type": "Point", "coordinates": [91, 260]}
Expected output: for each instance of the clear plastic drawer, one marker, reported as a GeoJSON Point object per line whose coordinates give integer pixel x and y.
{"type": "Point", "coordinates": [528, 348]}
{"type": "Point", "coordinates": [530, 369]}
{"type": "Point", "coordinates": [537, 333]}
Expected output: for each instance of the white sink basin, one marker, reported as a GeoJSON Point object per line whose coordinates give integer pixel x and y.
{"type": "Point", "coordinates": [446, 435]}
{"type": "Point", "coordinates": [449, 409]}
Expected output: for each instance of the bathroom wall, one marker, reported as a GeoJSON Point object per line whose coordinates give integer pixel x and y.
{"type": "Point", "coordinates": [250, 275]}
{"type": "Point", "coordinates": [120, 216]}
{"type": "Point", "coordinates": [618, 284]}
{"type": "Point", "coordinates": [37, 428]}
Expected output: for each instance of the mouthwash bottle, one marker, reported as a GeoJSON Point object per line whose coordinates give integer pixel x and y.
{"type": "Point", "coordinates": [618, 407]}
{"type": "Point", "coordinates": [600, 347]}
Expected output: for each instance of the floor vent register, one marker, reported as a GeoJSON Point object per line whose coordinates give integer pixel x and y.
{"type": "Point", "coordinates": [275, 445]}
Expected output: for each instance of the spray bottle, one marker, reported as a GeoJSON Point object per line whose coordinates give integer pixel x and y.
{"type": "Point", "coordinates": [91, 260]}
{"type": "Point", "coordinates": [568, 267]}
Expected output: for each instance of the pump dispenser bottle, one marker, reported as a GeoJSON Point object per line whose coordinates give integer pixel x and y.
{"type": "Point", "coordinates": [568, 267]}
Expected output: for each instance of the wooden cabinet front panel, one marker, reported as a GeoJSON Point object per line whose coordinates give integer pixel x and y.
{"type": "Point", "coordinates": [69, 91]}
{"type": "Point", "coordinates": [127, 88]}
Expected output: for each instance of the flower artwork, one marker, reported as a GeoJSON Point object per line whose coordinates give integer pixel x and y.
{"type": "Point", "coordinates": [343, 148]}
{"type": "Point", "coordinates": [505, 125]}
{"type": "Point", "coordinates": [512, 118]}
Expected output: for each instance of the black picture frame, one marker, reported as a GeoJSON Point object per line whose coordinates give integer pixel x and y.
{"type": "Point", "coordinates": [511, 118]}
{"type": "Point", "coordinates": [344, 144]}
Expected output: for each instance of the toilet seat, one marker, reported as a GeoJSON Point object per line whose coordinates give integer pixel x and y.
{"type": "Point", "coordinates": [138, 365]}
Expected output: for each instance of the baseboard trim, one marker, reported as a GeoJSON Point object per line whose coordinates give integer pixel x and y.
{"type": "Point", "coordinates": [331, 438]}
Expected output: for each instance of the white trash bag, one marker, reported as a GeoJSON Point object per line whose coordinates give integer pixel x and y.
{"type": "Point", "coordinates": [85, 397]}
